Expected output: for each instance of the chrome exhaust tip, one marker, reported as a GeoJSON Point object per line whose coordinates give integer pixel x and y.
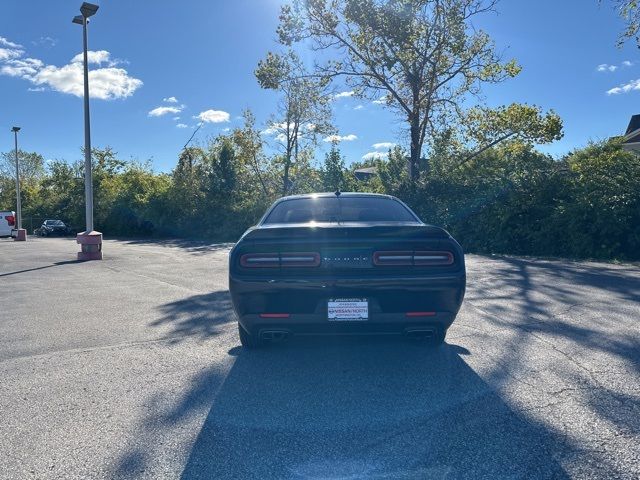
{"type": "Point", "coordinates": [421, 332]}
{"type": "Point", "coordinates": [274, 335]}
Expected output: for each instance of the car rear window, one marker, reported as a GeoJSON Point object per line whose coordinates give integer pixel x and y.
{"type": "Point", "coordinates": [340, 209]}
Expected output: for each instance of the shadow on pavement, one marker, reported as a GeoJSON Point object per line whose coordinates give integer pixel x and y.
{"type": "Point", "coordinates": [365, 408]}
{"type": "Point", "coordinates": [57, 264]}
{"type": "Point", "coordinates": [543, 294]}
{"type": "Point", "coordinates": [199, 316]}
{"type": "Point", "coordinates": [191, 246]}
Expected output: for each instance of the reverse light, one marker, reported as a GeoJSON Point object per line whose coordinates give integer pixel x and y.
{"type": "Point", "coordinates": [419, 258]}
{"type": "Point", "coordinates": [275, 260]}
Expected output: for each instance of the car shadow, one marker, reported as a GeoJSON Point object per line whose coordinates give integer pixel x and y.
{"type": "Point", "coordinates": [326, 407]}
{"type": "Point", "coordinates": [366, 408]}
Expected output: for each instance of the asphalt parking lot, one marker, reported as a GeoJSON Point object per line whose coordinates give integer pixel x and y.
{"type": "Point", "coordinates": [131, 368]}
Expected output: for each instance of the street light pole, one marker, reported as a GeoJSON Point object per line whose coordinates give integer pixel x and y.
{"type": "Point", "coordinates": [15, 131]}
{"type": "Point", "coordinates": [88, 178]}
{"type": "Point", "coordinates": [87, 10]}
{"type": "Point", "coordinates": [90, 240]}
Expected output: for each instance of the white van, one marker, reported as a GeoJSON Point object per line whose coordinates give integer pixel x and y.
{"type": "Point", "coordinates": [7, 222]}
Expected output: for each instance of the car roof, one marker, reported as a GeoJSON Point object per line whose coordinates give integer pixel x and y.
{"type": "Point", "coordinates": [333, 194]}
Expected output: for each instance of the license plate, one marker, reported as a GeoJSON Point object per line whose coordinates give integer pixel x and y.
{"type": "Point", "coordinates": [348, 309]}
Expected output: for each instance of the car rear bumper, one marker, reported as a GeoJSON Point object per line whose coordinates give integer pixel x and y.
{"type": "Point", "coordinates": [393, 303]}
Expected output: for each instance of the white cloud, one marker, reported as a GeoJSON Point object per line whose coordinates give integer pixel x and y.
{"type": "Point", "coordinates": [179, 125]}
{"type": "Point", "coordinates": [36, 89]}
{"type": "Point", "coordinates": [341, 138]}
{"type": "Point", "coordinates": [7, 53]}
{"type": "Point", "coordinates": [9, 49]}
{"type": "Point", "coordinates": [381, 101]}
{"type": "Point", "coordinates": [225, 130]}
{"type": "Point", "coordinates": [358, 107]}
{"type": "Point", "coordinates": [625, 88]}
{"type": "Point", "coordinates": [6, 43]}
{"type": "Point", "coordinates": [26, 68]}
{"type": "Point", "coordinates": [97, 57]}
{"type": "Point", "coordinates": [606, 68]}
{"type": "Point", "coordinates": [45, 41]}
{"type": "Point", "coordinates": [281, 137]}
{"type": "Point", "coordinates": [160, 111]}
{"type": "Point", "coordinates": [213, 116]}
{"type": "Point", "coordinates": [176, 118]}
{"type": "Point", "coordinates": [374, 155]}
{"type": "Point", "coordinates": [104, 83]}
{"type": "Point", "coordinates": [344, 95]}
{"type": "Point", "coordinates": [170, 100]}
{"type": "Point", "coordinates": [383, 145]}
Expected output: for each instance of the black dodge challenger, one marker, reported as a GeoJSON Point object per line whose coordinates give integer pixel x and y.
{"type": "Point", "coordinates": [344, 263]}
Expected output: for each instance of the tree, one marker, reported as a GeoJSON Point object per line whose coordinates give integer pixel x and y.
{"type": "Point", "coordinates": [332, 172]}
{"type": "Point", "coordinates": [249, 148]}
{"type": "Point", "coordinates": [303, 113]}
{"type": "Point", "coordinates": [424, 56]}
{"type": "Point", "coordinates": [524, 123]}
{"type": "Point", "coordinates": [223, 169]}
{"type": "Point", "coordinates": [629, 10]}
{"type": "Point", "coordinates": [32, 166]}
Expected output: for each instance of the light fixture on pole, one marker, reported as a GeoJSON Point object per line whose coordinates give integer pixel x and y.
{"type": "Point", "coordinates": [90, 240]}
{"type": "Point", "coordinates": [21, 234]}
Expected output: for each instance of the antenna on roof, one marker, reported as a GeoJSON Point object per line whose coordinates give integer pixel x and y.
{"type": "Point", "coordinates": [338, 192]}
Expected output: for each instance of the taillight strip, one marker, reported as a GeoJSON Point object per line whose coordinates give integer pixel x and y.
{"type": "Point", "coordinates": [275, 260]}
{"type": "Point", "coordinates": [418, 258]}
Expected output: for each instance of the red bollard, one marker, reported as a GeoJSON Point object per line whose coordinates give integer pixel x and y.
{"type": "Point", "coordinates": [91, 245]}
{"type": "Point", "coordinates": [21, 235]}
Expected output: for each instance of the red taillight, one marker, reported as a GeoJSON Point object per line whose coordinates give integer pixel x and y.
{"type": "Point", "coordinates": [393, 258]}
{"type": "Point", "coordinates": [11, 220]}
{"type": "Point", "coordinates": [260, 260]}
{"type": "Point", "coordinates": [307, 259]}
{"type": "Point", "coordinates": [274, 260]}
{"type": "Point", "coordinates": [420, 258]}
{"type": "Point", "coordinates": [432, 258]}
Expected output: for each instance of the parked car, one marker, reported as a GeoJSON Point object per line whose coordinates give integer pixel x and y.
{"type": "Point", "coordinates": [7, 222]}
{"type": "Point", "coordinates": [51, 228]}
{"type": "Point", "coordinates": [344, 263]}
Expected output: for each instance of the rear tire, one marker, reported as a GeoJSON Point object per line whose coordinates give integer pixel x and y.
{"type": "Point", "coordinates": [247, 340]}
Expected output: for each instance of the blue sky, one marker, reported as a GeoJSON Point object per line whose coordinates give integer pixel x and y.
{"type": "Point", "coordinates": [202, 54]}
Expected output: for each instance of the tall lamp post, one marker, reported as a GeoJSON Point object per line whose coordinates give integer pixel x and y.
{"type": "Point", "coordinates": [89, 240]}
{"type": "Point", "coordinates": [21, 234]}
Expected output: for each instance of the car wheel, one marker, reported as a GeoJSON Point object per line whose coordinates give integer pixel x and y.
{"type": "Point", "coordinates": [247, 340]}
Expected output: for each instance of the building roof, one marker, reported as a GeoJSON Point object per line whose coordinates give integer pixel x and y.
{"type": "Point", "coordinates": [369, 170]}
{"type": "Point", "coordinates": [632, 135]}
{"type": "Point", "coordinates": [634, 125]}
